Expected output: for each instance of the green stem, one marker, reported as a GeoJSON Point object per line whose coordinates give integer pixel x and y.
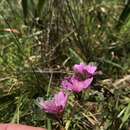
{"type": "Point", "coordinates": [49, 126]}
{"type": "Point", "coordinates": [67, 125]}
{"type": "Point", "coordinates": [49, 85]}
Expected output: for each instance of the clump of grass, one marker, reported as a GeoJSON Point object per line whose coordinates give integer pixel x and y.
{"type": "Point", "coordinates": [42, 40]}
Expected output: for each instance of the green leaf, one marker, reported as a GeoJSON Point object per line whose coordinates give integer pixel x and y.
{"type": "Point", "coordinates": [25, 9]}
{"type": "Point", "coordinates": [124, 15]}
{"type": "Point", "coordinates": [75, 55]}
{"type": "Point", "coordinates": [126, 115]}
{"type": "Point", "coordinates": [40, 7]}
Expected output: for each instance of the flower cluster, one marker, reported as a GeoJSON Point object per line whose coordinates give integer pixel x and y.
{"type": "Point", "coordinates": [82, 78]}
{"type": "Point", "coordinates": [79, 81]}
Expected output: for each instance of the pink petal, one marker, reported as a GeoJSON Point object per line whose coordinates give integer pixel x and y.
{"type": "Point", "coordinates": [79, 68]}
{"type": "Point", "coordinates": [91, 69]}
{"type": "Point", "coordinates": [87, 82]}
{"type": "Point", "coordinates": [47, 106]}
{"type": "Point", "coordinates": [61, 99]}
{"type": "Point", "coordinates": [50, 107]}
{"type": "Point", "coordinates": [78, 86]}
{"type": "Point", "coordinates": [66, 83]}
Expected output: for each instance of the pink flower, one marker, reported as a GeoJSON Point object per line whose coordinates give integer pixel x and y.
{"type": "Point", "coordinates": [75, 85]}
{"type": "Point", "coordinates": [82, 78]}
{"type": "Point", "coordinates": [88, 70]}
{"type": "Point", "coordinates": [55, 106]}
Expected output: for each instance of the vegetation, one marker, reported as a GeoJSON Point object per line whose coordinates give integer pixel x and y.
{"type": "Point", "coordinates": [40, 42]}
